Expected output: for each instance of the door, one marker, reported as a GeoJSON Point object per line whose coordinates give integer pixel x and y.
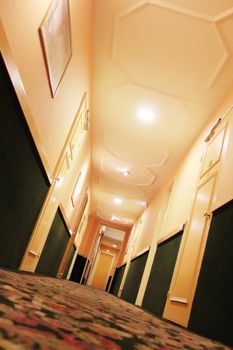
{"type": "Point", "coordinates": [187, 269]}
{"type": "Point", "coordinates": [102, 270]}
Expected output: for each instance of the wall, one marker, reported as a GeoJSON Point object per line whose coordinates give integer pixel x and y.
{"type": "Point", "coordinates": [82, 168]}
{"type": "Point", "coordinates": [52, 117]}
{"type": "Point", "coordinates": [89, 237]}
{"type": "Point", "coordinates": [168, 211]}
{"type": "Point", "coordinates": [185, 181]}
{"type": "Point", "coordinates": [56, 124]}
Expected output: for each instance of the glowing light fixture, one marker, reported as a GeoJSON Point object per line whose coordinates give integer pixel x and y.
{"type": "Point", "coordinates": [146, 115]}
{"type": "Point", "coordinates": [114, 245]}
{"type": "Point", "coordinates": [142, 203]}
{"type": "Point", "coordinates": [123, 170]}
{"type": "Point", "coordinates": [117, 200]}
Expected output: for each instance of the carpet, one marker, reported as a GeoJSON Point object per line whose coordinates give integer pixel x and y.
{"type": "Point", "coordinates": [39, 312]}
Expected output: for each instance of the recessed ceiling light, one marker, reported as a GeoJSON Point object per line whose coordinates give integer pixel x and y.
{"type": "Point", "coordinates": [142, 203]}
{"type": "Point", "coordinates": [117, 200]}
{"type": "Point", "coordinates": [146, 114]}
{"type": "Point", "coordinates": [126, 173]}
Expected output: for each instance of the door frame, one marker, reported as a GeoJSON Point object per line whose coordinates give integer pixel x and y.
{"type": "Point", "coordinates": [101, 251]}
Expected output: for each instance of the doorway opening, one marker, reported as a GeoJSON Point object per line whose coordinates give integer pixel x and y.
{"type": "Point", "coordinates": [105, 258]}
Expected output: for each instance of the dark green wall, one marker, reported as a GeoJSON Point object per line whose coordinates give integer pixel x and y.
{"type": "Point", "coordinates": [116, 282]}
{"type": "Point", "coordinates": [23, 184]}
{"type": "Point", "coordinates": [212, 311]}
{"type": "Point", "coordinates": [133, 279]}
{"type": "Point", "coordinates": [54, 247]}
{"type": "Point", "coordinates": [77, 271]}
{"type": "Point", "coordinates": [108, 283]}
{"type": "Point", "coordinates": [73, 250]}
{"type": "Point", "coordinates": [161, 273]}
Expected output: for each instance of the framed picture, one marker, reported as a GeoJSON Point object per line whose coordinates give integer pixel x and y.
{"type": "Point", "coordinates": [55, 36]}
{"type": "Point", "coordinates": [76, 191]}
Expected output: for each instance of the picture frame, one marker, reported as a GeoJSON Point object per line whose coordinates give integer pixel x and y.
{"type": "Point", "coordinates": [76, 191]}
{"type": "Point", "coordinates": [55, 37]}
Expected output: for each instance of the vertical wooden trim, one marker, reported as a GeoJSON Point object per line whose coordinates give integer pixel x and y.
{"type": "Point", "coordinates": [73, 236]}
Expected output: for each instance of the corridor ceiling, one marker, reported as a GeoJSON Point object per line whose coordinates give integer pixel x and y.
{"type": "Point", "coordinates": [112, 237]}
{"type": "Point", "coordinates": [160, 68]}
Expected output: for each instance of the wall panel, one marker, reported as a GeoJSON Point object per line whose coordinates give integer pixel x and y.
{"type": "Point", "coordinates": [161, 274]}
{"type": "Point", "coordinates": [117, 279]}
{"type": "Point", "coordinates": [23, 184]}
{"type": "Point", "coordinates": [78, 268]}
{"type": "Point", "coordinates": [212, 311]}
{"type": "Point", "coordinates": [133, 279]}
{"type": "Point", "coordinates": [54, 247]}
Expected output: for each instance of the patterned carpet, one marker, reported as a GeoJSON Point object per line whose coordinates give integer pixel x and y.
{"type": "Point", "coordinates": [48, 313]}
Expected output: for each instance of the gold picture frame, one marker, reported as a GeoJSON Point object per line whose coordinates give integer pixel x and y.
{"type": "Point", "coordinates": [55, 36]}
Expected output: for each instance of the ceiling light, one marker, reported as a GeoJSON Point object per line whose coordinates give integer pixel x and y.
{"type": "Point", "coordinates": [117, 200]}
{"type": "Point", "coordinates": [146, 114]}
{"type": "Point", "coordinates": [142, 203]}
{"type": "Point", "coordinates": [126, 173]}
{"type": "Point", "coordinates": [114, 245]}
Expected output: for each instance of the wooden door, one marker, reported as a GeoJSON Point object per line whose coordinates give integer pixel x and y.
{"type": "Point", "coordinates": [187, 269]}
{"type": "Point", "coordinates": [101, 270]}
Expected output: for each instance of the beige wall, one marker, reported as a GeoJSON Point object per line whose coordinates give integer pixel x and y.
{"type": "Point", "coordinates": [89, 237]}
{"type": "Point", "coordinates": [82, 166]}
{"type": "Point", "coordinates": [52, 116]}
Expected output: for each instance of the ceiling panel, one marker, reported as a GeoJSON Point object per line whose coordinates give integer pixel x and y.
{"type": "Point", "coordinates": [121, 188]}
{"type": "Point", "coordinates": [173, 58]}
{"type": "Point", "coordinates": [209, 7]}
{"type": "Point", "coordinates": [164, 51]}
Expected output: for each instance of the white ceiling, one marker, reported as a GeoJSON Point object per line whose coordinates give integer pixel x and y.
{"type": "Point", "coordinates": [112, 237]}
{"type": "Point", "coordinates": [174, 57]}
